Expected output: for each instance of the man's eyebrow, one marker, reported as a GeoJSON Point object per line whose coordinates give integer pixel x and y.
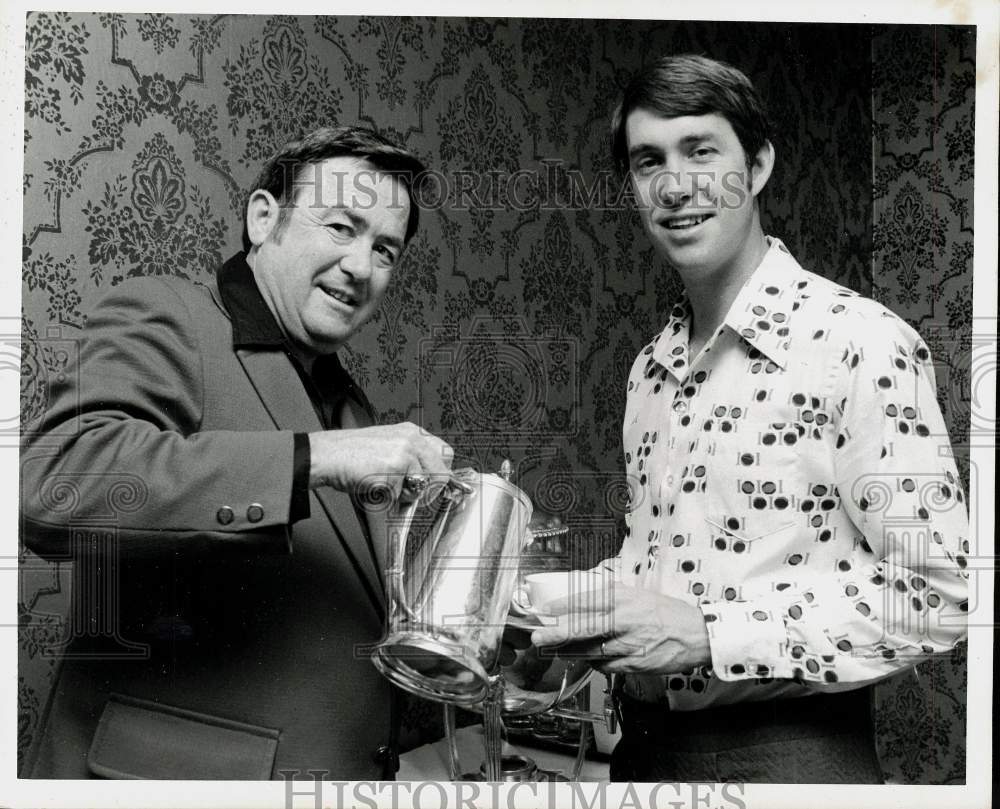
{"type": "Point", "coordinates": [687, 140]}
{"type": "Point", "coordinates": [642, 148]}
{"type": "Point", "coordinates": [363, 224]}
{"type": "Point", "coordinates": [697, 137]}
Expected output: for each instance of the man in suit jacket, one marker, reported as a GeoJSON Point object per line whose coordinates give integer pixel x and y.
{"type": "Point", "coordinates": [203, 466]}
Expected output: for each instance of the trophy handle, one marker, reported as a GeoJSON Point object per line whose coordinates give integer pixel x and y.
{"type": "Point", "coordinates": [397, 548]}
{"type": "Point", "coordinates": [415, 486]}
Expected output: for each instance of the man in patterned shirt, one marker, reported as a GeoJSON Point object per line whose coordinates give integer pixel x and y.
{"type": "Point", "coordinates": [797, 529]}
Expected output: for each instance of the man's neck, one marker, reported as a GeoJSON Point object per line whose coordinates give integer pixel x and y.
{"type": "Point", "coordinates": [305, 360]}
{"type": "Point", "coordinates": [712, 294]}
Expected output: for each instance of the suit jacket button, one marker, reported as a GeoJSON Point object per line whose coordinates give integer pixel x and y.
{"type": "Point", "coordinates": [224, 515]}
{"type": "Point", "coordinates": [255, 513]}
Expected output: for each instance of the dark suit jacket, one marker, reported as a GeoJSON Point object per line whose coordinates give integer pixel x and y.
{"type": "Point", "coordinates": [208, 637]}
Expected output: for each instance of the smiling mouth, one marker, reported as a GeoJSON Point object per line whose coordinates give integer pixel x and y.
{"type": "Point", "coordinates": [340, 296]}
{"type": "Point", "coordinates": [685, 222]}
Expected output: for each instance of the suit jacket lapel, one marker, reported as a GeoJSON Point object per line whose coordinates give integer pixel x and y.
{"type": "Point", "coordinates": [353, 415]}
{"type": "Point", "coordinates": [282, 393]}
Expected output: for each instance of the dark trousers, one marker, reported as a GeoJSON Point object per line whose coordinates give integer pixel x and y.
{"type": "Point", "coordinates": [822, 739]}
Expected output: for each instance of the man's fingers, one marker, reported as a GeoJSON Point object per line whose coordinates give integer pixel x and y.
{"type": "Point", "coordinates": [550, 636]}
{"type": "Point", "coordinates": [591, 609]}
{"type": "Point", "coordinates": [367, 459]}
{"type": "Point", "coordinates": [436, 456]}
{"type": "Point", "coordinates": [563, 632]}
{"type": "Point", "coordinates": [433, 455]}
{"type": "Point", "coordinates": [411, 485]}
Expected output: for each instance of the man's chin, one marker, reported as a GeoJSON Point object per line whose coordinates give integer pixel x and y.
{"type": "Point", "coordinates": [327, 342]}
{"type": "Point", "coordinates": [694, 258]}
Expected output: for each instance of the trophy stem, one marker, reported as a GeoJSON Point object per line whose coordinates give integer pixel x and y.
{"type": "Point", "coordinates": [581, 752]}
{"type": "Point", "coordinates": [492, 726]}
{"type": "Point", "coordinates": [454, 768]}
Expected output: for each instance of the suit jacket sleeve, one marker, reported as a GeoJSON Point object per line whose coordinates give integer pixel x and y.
{"type": "Point", "coordinates": [121, 442]}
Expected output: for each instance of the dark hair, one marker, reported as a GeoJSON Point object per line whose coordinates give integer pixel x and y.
{"type": "Point", "coordinates": [279, 174]}
{"type": "Point", "coordinates": [674, 86]}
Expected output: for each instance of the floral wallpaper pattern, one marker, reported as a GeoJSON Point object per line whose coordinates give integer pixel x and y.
{"type": "Point", "coordinates": [923, 130]}
{"type": "Point", "coordinates": [512, 323]}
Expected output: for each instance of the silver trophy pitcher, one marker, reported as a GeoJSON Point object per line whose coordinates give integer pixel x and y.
{"type": "Point", "coordinates": [453, 566]}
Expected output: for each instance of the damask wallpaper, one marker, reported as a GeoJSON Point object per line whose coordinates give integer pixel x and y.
{"type": "Point", "coordinates": [923, 132]}
{"type": "Point", "coordinates": [511, 325]}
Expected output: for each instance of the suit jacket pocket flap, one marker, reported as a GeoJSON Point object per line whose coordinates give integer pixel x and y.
{"type": "Point", "coordinates": [140, 739]}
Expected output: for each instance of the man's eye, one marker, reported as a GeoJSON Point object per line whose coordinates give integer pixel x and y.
{"type": "Point", "coordinates": [646, 164]}
{"type": "Point", "coordinates": [341, 229]}
{"type": "Point", "coordinates": [387, 255]}
{"type": "Point", "coordinates": [703, 151]}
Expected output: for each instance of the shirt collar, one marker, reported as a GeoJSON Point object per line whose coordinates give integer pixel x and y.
{"type": "Point", "coordinates": [764, 308]}
{"type": "Point", "coordinates": [767, 297]}
{"type": "Point", "coordinates": [254, 326]}
{"type": "Point", "coordinates": [253, 323]}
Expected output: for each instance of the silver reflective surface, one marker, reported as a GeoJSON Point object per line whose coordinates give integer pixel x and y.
{"type": "Point", "coordinates": [452, 573]}
{"type": "Point", "coordinates": [536, 680]}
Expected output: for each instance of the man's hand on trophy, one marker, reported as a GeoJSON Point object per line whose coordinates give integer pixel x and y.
{"type": "Point", "coordinates": [630, 630]}
{"type": "Point", "coordinates": [360, 460]}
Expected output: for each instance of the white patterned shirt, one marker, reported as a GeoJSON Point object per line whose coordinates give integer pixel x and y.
{"type": "Point", "coordinates": [796, 481]}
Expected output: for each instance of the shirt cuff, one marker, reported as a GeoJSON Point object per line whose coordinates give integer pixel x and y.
{"type": "Point", "coordinates": [747, 640]}
{"type": "Point", "coordinates": [301, 461]}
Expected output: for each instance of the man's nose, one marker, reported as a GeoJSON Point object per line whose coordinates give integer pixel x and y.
{"type": "Point", "coordinates": [670, 189]}
{"type": "Point", "coordinates": [357, 261]}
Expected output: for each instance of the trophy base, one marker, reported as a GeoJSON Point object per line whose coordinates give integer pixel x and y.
{"type": "Point", "coordinates": [431, 668]}
{"type": "Point", "coordinates": [517, 769]}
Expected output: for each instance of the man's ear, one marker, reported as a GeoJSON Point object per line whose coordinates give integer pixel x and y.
{"type": "Point", "coordinates": [263, 212]}
{"type": "Point", "coordinates": [763, 163]}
